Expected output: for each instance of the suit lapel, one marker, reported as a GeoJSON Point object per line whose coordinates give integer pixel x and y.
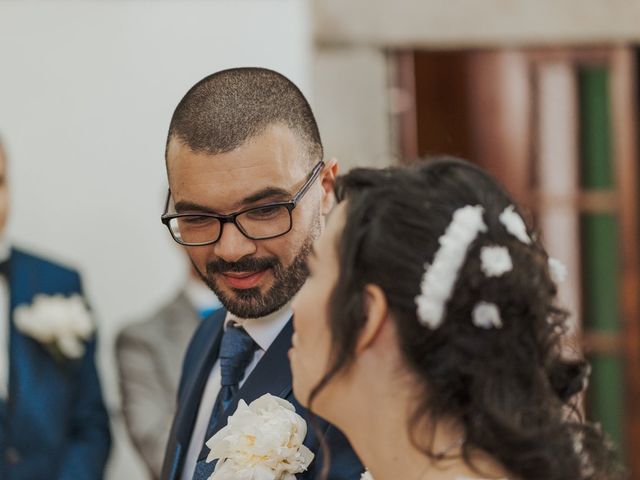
{"type": "Point", "coordinates": [20, 282]}
{"type": "Point", "coordinates": [21, 291]}
{"type": "Point", "coordinates": [205, 346]}
{"type": "Point", "coordinates": [194, 385]}
{"type": "Point", "coordinates": [271, 375]}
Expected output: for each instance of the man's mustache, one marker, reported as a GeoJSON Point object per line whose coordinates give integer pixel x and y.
{"type": "Point", "coordinates": [244, 265]}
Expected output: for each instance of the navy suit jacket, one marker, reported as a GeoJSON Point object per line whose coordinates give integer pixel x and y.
{"type": "Point", "coordinates": [271, 375]}
{"type": "Point", "coordinates": [56, 425]}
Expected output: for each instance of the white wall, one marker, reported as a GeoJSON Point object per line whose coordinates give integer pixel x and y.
{"type": "Point", "coordinates": [86, 93]}
{"type": "Point", "coordinates": [351, 89]}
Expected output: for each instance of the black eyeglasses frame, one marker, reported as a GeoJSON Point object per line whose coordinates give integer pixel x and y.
{"type": "Point", "coordinates": [290, 205]}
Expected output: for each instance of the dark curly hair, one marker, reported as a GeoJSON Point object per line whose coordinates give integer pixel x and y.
{"type": "Point", "coordinates": [510, 387]}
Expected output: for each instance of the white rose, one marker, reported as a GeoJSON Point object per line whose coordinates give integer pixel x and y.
{"type": "Point", "coordinates": [262, 441]}
{"type": "Point", "coordinates": [61, 322]}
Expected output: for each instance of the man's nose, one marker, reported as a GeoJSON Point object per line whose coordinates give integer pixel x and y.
{"type": "Point", "coordinates": [233, 245]}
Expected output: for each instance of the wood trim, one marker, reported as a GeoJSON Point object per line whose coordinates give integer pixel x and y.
{"type": "Point", "coordinates": [403, 104]}
{"type": "Point", "coordinates": [602, 343]}
{"type": "Point", "coordinates": [579, 55]}
{"type": "Point", "coordinates": [586, 201]}
{"type": "Point", "coordinates": [625, 128]}
{"type": "Point", "coordinates": [598, 201]}
{"type": "Point", "coordinates": [474, 24]}
{"type": "Point", "coordinates": [557, 137]}
{"type": "Point", "coordinates": [501, 88]}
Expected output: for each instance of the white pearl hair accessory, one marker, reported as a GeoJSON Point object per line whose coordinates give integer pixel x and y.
{"type": "Point", "coordinates": [514, 224]}
{"type": "Point", "coordinates": [486, 315]}
{"type": "Point", "coordinates": [557, 270]}
{"type": "Point", "coordinates": [439, 278]}
{"type": "Point", "coordinates": [495, 261]}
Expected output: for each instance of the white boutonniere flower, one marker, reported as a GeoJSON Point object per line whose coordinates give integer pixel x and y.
{"type": "Point", "coordinates": [62, 324]}
{"type": "Point", "coordinates": [262, 441]}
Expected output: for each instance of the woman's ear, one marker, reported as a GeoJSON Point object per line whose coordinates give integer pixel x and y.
{"type": "Point", "coordinates": [376, 310]}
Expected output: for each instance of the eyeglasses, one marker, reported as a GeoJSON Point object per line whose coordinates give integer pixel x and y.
{"type": "Point", "coordinates": [256, 223]}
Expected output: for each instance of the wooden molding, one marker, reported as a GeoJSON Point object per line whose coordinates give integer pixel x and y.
{"type": "Point", "coordinates": [602, 343]}
{"type": "Point", "coordinates": [475, 24]}
{"type": "Point", "coordinates": [588, 201]}
{"type": "Point", "coordinates": [624, 125]}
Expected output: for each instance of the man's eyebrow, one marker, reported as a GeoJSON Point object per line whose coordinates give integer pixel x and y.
{"type": "Point", "coordinates": [185, 206]}
{"type": "Point", "coordinates": [273, 193]}
{"type": "Point", "coordinates": [264, 194]}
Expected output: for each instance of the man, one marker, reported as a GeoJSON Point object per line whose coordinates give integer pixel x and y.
{"type": "Point", "coordinates": [53, 422]}
{"type": "Point", "coordinates": [248, 196]}
{"type": "Point", "coordinates": [149, 355]}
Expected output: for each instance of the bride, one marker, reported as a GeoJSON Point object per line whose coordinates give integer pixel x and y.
{"type": "Point", "coordinates": [428, 333]}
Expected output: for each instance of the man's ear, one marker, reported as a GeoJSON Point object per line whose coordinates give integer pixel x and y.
{"type": "Point", "coordinates": [327, 181]}
{"type": "Point", "coordinates": [376, 311]}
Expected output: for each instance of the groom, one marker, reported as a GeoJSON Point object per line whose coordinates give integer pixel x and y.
{"type": "Point", "coordinates": [248, 196]}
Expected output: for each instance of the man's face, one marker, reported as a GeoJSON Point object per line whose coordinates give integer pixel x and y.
{"type": "Point", "coordinates": [4, 191]}
{"type": "Point", "coordinates": [252, 278]}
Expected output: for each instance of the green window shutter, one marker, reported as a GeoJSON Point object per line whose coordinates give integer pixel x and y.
{"type": "Point", "coordinates": [600, 250]}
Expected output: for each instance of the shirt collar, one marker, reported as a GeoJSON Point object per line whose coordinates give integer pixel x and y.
{"type": "Point", "coordinates": [263, 330]}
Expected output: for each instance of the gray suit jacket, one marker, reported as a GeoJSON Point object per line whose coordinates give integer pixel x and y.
{"type": "Point", "coordinates": [149, 357]}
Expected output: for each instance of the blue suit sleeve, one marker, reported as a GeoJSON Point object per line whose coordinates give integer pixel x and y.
{"type": "Point", "coordinates": [89, 438]}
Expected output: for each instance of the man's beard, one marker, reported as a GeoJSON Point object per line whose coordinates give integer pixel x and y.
{"type": "Point", "coordinates": [250, 302]}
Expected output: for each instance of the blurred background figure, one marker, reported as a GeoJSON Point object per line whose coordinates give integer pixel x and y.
{"type": "Point", "coordinates": [149, 356]}
{"type": "Point", "coordinates": [53, 422]}
{"type": "Point", "coordinates": [96, 83]}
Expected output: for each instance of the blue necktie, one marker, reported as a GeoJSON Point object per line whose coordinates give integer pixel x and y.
{"type": "Point", "coordinates": [236, 352]}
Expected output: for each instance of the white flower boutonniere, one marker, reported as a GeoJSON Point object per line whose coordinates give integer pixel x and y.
{"type": "Point", "coordinates": [60, 323]}
{"type": "Point", "coordinates": [262, 441]}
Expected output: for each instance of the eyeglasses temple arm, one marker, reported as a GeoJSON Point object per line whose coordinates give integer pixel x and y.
{"type": "Point", "coordinates": [312, 177]}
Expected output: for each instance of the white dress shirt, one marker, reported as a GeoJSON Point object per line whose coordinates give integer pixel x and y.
{"type": "Point", "coordinates": [5, 251]}
{"type": "Point", "coordinates": [264, 331]}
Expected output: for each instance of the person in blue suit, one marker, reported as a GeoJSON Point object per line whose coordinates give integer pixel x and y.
{"type": "Point", "coordinates": [53, 422]}
{"type": "Point", "coordinates": [249, 193]}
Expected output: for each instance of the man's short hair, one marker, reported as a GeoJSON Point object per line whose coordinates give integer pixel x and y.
{"type": "Point", "coordinates": [224, 110]}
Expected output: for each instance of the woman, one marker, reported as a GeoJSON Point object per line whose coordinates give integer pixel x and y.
{"type": "Point", "coordinates": [427, 332]}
